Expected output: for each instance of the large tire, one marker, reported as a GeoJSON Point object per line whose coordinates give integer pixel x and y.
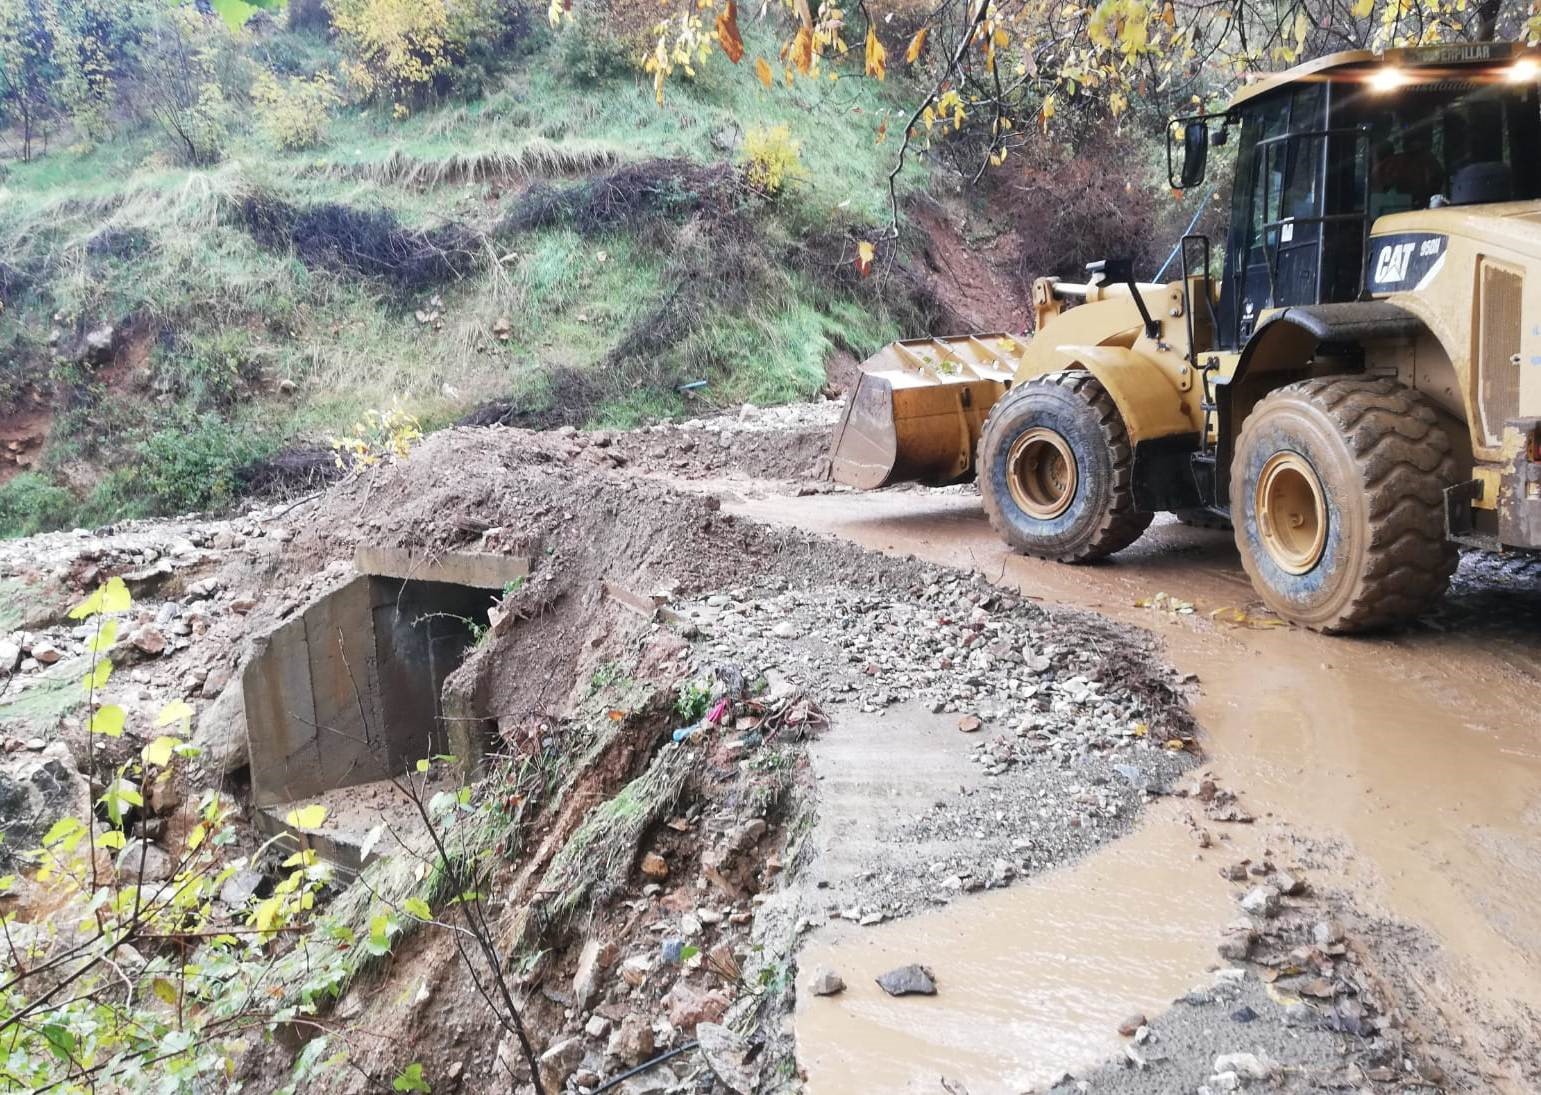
{"type": "Point", "coordinates": [1055, 467]}
{"type": "Point", "coordinates": [1337, 496]}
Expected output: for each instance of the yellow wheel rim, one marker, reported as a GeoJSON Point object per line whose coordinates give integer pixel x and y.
{"type": "Point", "coordinates": [1041, 473]}
{"type": "Point", "coordinates": [1291, 512]}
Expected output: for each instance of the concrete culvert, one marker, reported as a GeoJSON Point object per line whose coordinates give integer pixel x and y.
{"type": "Point", "coordinates": [349, 693]}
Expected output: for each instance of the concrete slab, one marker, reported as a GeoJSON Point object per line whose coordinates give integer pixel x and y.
{"type": "Point", "coordinates": [481, 569]}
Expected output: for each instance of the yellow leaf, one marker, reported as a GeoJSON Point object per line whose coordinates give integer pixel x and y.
{"type": "Point", "coordinates": [917, 44]}
{"type": "Point", "coordinates": [97, 678]}
{"type": "Point", "coordinates": [165, 990]}
{"type": "Point", "coordinates": [727, 32]}
{"type": "Point", "coordinates": [307, 817]}
{"type": "Point", "coordinates": [1363, 8]}
{"type": "Point", "coordinates": [109, 598]}
{"type": "Point", "coordinates": [158, 752]}
{"type": "Point", "coordinates": [108, 720]}
{"type": "Point", "coordinates": [762, 70]}
{"type": "Point", "coordinates": [175, 711]}
{"type": "Point", "coordinates": [876, 55]}
{"type": "Point", "coordinates": [865, 253]}
{"type": "Point", "coordinates": [105, 636]}
{"type": "Point", "coordinates": [802, 50]}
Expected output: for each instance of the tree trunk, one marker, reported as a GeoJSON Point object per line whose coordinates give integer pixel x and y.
{"type": "Point", "coordinates": [1487, 19]}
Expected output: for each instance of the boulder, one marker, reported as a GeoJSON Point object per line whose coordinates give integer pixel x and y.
{"type": "Point", "coordinates": [593, 960]}
{"type": "Point", "coordinates": [912, 980]}
{"type": "Point", "coordinates": [691, 1004]}
{"type": "Point", "coordinates": [142, 861]}
{"type": "Point", "coordinates": [560, 1061]}
{"type": "Point", "coordinates": [221, 732]}
{"type": "Point", "coordinates": [36, 790]}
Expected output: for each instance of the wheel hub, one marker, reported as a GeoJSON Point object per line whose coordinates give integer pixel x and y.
{"type": "Point", "coordinates": [1041, 473]}
{"type": "Point", "coordinates": [1291, 512]}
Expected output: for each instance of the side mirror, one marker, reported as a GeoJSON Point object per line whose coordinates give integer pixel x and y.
{"type": "Point", "coordinates": [1195, 152]}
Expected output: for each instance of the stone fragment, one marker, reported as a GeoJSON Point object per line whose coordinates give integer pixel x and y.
{"type": "Point", "coordinates": [911, 980]}
{"type": "Point", "coordinates": [655, 866]}
{"type": "Point", "coordinates": [826, 982]}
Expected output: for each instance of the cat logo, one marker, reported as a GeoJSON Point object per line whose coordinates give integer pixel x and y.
{"type": "Point", "coordinates": [1405, 262]}
{"type": "Point", "coordinates": [1392, 264]}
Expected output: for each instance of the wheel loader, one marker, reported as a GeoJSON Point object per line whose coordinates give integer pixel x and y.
{"type": "Point", "coordinates": [1356, 389]}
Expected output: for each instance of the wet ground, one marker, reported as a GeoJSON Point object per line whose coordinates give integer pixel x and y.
{"type": "Point", "coordinates": [1415, 757]}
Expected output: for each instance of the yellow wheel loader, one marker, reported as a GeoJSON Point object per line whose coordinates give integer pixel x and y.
{"type": "Point", "coordinates": [1357, 390]}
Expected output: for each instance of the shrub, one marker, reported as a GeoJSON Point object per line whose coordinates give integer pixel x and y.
{"type": "Point", "coordinates": [393, 48]}
{"type": "Point", "coordinates": [187, 61]}
{"type": "Point", "coordinates": [294, 112]}
{"type": "Point", "coordinates": [31, 504]}
{"type": "Point", "coordinates": [772, 159]}
{"type": "Point", "coordinates": [194, 467]}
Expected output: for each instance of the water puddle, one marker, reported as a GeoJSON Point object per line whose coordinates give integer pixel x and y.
{"type": "Point", "coordinates": [1418, 751]}
{"type": "Point", "coordinates": [1032, 980]}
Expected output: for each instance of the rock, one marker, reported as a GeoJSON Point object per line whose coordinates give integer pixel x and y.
{"type": "Point", "coordinates": [1327, 932]}
{"type": "Point", "coordinates": [560, 1061]}
{"type": "Point", "coordinates": [969, 724]}
{"type": "Point", "coordinates": [141, 860]}
{"type": "Point", "coordinates": [593, 960]}
{"type": "Point", "coordinates": [826, 982]}
{"type": "Point", "coordinates": [654, 866]}
{"type": "Point", "coordinates": [1261, 901]}
{"type": "Point", "coordinates": [635, 969]}
{"type": "Point", "coordinates": [149, 640]}
{"type": "Point", "coordinates": [597, 1026]}
{"type": "Point", "coordinates": [1224, 1081]}
{"type": "Point", "coordinates": [912, 980]}
{"type": "Point", "coordinates": [690, 1004]}
{"type": "Point", "coordinates": [1235, 946]}
{"type": "Point", "coordinates": [37, 788]}
{"type": "Point", "coordinates": [631, 1043]}
{"type": "Point", "coordinates": [96, 347]}
{"type": "Point", "coordinates": [46, 653]}
{"type": "Point", "coordinates": [786, 629]}
{"type": "Point", "coordinates": [1133, 1023]}
{"type": "Point", "coordinates": [241, 887]}
{"type": "Point", "coordinates": [1288, 884]}
{"type": "Point", "coordinates": [221, 732]}
{"type": "Point", "coordinates": [10, 657]}
{"type": "Point", "coordinates": [1234, 872]}
{"type": "Point", "coordinates": [729, 1057]}
{"type": "Point", "coordinates": [1247, 1066]}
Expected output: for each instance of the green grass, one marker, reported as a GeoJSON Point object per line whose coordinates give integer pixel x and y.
{"type": "Point", "coordinates": [115, 234]}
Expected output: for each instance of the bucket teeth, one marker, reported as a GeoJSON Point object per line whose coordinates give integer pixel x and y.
{"type": "Point", "coordinates": [918, 409]}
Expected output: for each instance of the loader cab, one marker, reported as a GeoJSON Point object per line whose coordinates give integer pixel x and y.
{"type": "Point", "coordinates": [1324, 152]}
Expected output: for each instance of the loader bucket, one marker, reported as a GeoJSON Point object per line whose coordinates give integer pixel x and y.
{"type": "Point", "coordinates": [918, 410]}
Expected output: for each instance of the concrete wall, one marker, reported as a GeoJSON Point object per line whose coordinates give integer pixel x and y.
{"type": "Point", "coordinates": [349, 691]}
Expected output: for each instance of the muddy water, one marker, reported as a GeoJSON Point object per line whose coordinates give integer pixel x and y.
{"type": "Point", "coordinates": [1418, 755]}
{"type": "Point", "coordinates": [1032, 980]}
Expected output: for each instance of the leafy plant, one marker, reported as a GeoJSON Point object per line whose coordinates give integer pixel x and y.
{"type": "Point", "coordinates": [294, 111]}
{"type": "Point", "coordinates": [693, 700]}
{"type": "Point", "coordinates": [772, 159]}
{"type": "Point", "coordinates": [135, 976]}
{"type": "Point", "coordinates": [378, 435]}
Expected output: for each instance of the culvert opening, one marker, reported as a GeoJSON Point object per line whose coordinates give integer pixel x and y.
{"type": "Point", "coordinates": [349, 693]}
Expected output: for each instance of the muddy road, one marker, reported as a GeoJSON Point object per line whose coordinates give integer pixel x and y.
{"type": "Point", "coordinates": [1412, 762]}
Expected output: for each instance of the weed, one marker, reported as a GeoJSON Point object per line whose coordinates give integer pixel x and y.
{"type": "Point", "coordinates": [692, 701]}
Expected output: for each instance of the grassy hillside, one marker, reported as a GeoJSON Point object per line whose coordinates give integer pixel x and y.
{"type": "Point", "coordinates": [562, 243]}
